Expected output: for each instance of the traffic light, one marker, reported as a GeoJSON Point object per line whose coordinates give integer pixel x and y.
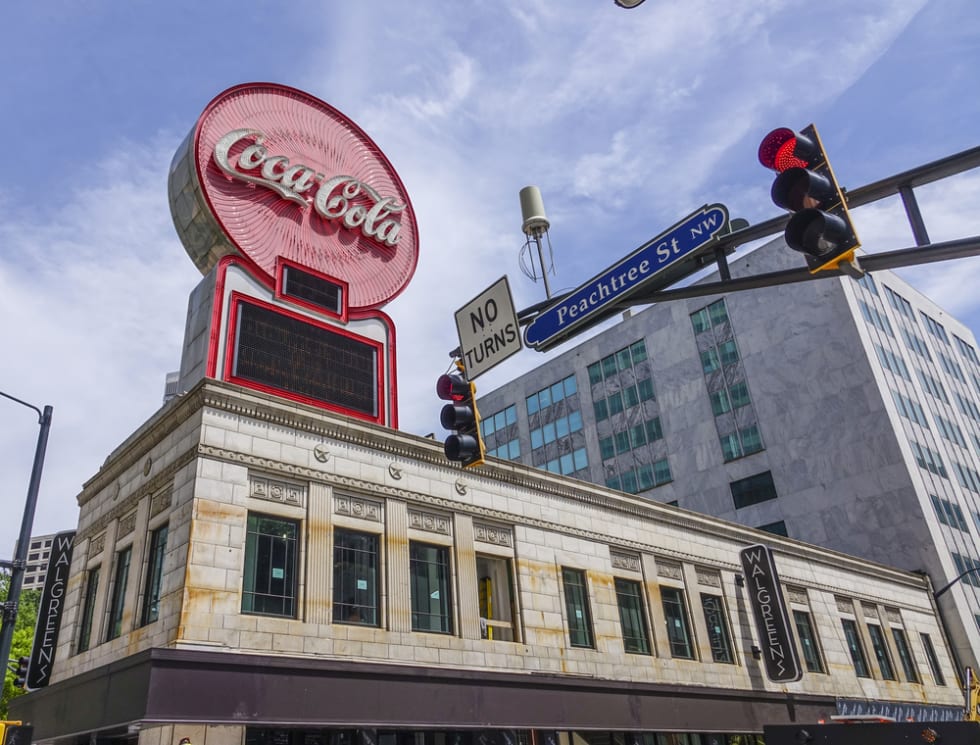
{"type": "Point", "coordinates": [20, 672]}
{"type": "Point", "coordinates": [820, 227]}
{"type": "Point", "coordinates": [15, 733]}
{"type": "Point", "coordinates": [461, 416]}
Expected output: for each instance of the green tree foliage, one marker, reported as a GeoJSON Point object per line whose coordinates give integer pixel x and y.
{"type": "Point", "coordinates": [23, 637]}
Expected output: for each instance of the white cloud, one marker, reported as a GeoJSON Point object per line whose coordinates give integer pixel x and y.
{"type": "Point", "coordinates": [99, 288]}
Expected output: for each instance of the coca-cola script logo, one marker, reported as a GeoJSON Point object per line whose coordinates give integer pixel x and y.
{"type": "Point", "coordinates": [270, 171]}
{"type": "Point", "coordinates": [334, 198]}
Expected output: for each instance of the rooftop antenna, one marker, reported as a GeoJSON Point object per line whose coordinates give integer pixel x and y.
{"type": "Point", "coordinates": [535, 225]}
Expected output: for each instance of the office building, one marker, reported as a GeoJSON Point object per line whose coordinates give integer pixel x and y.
{"type": "Point", "coordinates": [843, 413]}
{"type": "Point", "coordinates": [38, 554]}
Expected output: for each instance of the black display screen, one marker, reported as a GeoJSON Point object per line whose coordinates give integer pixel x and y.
{"type": "Point", "coordinates": [314, 290]}
{"type": "Point", "coordinates": [299, 357]}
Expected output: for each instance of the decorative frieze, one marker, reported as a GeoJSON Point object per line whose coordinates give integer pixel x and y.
{"type": "Point", "coordinates": [708, 577]}
{"type": "Point", "coordinates": [365, 509]}
{"type": "Point", "coordinates": [624, 561]}
{"type": "Point", "coordinates": [870, 611]}
{"type": "Point", "coordinates": [274, 490]}
{"type": "Point", "coordinates": [494, 534]}
{"type": "Point", "coordinates": [893, 615]}
{"type": "Point", "coordinates": [669, 570]}
{"type": "Point", "coordinates": [127, 524]}
{"type": "Point", "coordinates": [160, 501]}
{"type": "Point", "coordinates": [796, 595]}
{"type": "Point", "coordinates": [844, 605]}
{"type": "Point", "coordinates": [430, 522]}
{"type": "Point", "coordinates": [97, 545]}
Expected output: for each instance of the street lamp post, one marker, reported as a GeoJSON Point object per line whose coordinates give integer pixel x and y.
{"type": "Point", "coordinates": [944, 588]}
{"type": "Point", "coordinates": [18, 565]}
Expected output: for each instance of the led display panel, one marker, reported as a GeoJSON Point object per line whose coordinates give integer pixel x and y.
{"type": "Point", "coordinates": [290, 354]}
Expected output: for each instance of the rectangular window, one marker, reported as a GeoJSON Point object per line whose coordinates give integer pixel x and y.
{"type": "Point", "coordinates": [601, 410]}
{"type": "Point", "coordinates": [716, 620]}
{"type": "Point", "coordinates": [630, 483]}
{"type": "Point", "coordinates": [967, 350]}
{"type": "Point", "coordinates": [638, 351]}
{"type": "Point", "coordinates": [636, 639]}
{"type": "Point", "coordinates": [661, 472]}
{"type": "Point", "coordinates": [645, 387]}
{"type": "Point", "coordinates": [718, 312]}
{"type": "Point", "coordinates": [638, 436]}
{"type": "Point", "coordinates": [678, 628]}
{"type": "Point", "coordinates": [900, 304]}
{"type": "Point", "coordinates": [916, 344]}
{"type": "Point", "coordinates": [270, 578]}
{"type": "Point", "coordinates": [154, 575]}
{"type": "Point", "coordinates": [751, 439]}
{"type": "Point", "coordinates": [729, 352]}
{"type": "Point", "coordinates": [428, 568]}
{"type": "Point", "coordinates": [731, 448]}
{"type": "Point", "coordinates": [894, 362]}
{"type": "Point", "coordinates": [615, 401]}
{"type": "Point", "coordinates": [119, 579]}
{"type": "Point", "coordinates": [809, 644]}
{"type": "Point", "coordinates": [720, 403]}
{"type": "Point", "coordinates": [496, 595]}
{"type": "Point", "coordinates": [905, 655]}
{"type": "Point", "coordinates": [709, 360]}
{"type": "Point", "coordinates": [933, 660]}
{"type": "Point", "coordinates": [655, 430]}
{"type": "Point", "coordinates": [607, 448]}
{"type": "Point", "coordinates": [577, 607]}
{"type": "Point", "coordinates": [754, 489]}
{"type": "Point", "coordinates": [88, 610]}
{"type": "Point", "coordinates": [880, 649]}
{"type": "Point", "coordinates": [776, 528]}
{"type": "Point", "coordinates": [622, 441]}
{"type": "Point", "coordinates": [740, 395]}
{"type": "Point", "coordinates": [700, 321]}
{"type": "Point", "coordinates": [933, 386]}
{"type": "Point", "coordinates": [855, 647]}
{"type": "Point", "coordinates": [355, 577]}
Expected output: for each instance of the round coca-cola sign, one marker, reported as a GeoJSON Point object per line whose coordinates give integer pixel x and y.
{"type": "Point", "coordinates": [271, 171]}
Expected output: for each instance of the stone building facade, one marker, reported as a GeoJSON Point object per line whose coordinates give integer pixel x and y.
{"type": "Point", "coordinates": [253, 570]}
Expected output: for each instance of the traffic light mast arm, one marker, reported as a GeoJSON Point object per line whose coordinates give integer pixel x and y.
{"type": "Point", "coordinates": [873, 192]}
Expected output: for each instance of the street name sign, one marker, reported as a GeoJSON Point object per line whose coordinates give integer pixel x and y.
{"type": "Point", "coordinates": [488, 329]}
{"type": "Point", "coordinates": [648, 268]}
{"type": "Point", "coordinates": [772, 624]}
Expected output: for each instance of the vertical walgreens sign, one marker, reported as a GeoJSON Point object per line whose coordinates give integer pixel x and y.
{"type": "Point", "coordinates": [771, 618]}
{"type": "Point", "coordinates": [49, 612]}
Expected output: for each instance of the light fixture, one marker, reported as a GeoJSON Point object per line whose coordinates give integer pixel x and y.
{"type": "Point", "coordinates": [627, 3]}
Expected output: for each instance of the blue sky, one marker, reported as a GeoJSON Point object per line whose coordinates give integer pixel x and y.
{"type": "Point", "coordinates": [626, 119]}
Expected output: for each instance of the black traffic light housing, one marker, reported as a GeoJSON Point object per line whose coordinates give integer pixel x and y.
{"type": "Point", "coordinates": [20, 672]}
{"type": "Point", "coordinates": [821, 226]}
{"type": "Point", "coordinates": [462, 417]}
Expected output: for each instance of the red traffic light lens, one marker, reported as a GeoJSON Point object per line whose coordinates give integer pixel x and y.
{"type": "Point", "coordinates": [452, 388]}
{"type": "Point", "coordinates": [778, 150]}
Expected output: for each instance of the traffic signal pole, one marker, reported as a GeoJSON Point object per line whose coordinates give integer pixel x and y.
{"type": "Point", "coordinates": [19, 564]}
